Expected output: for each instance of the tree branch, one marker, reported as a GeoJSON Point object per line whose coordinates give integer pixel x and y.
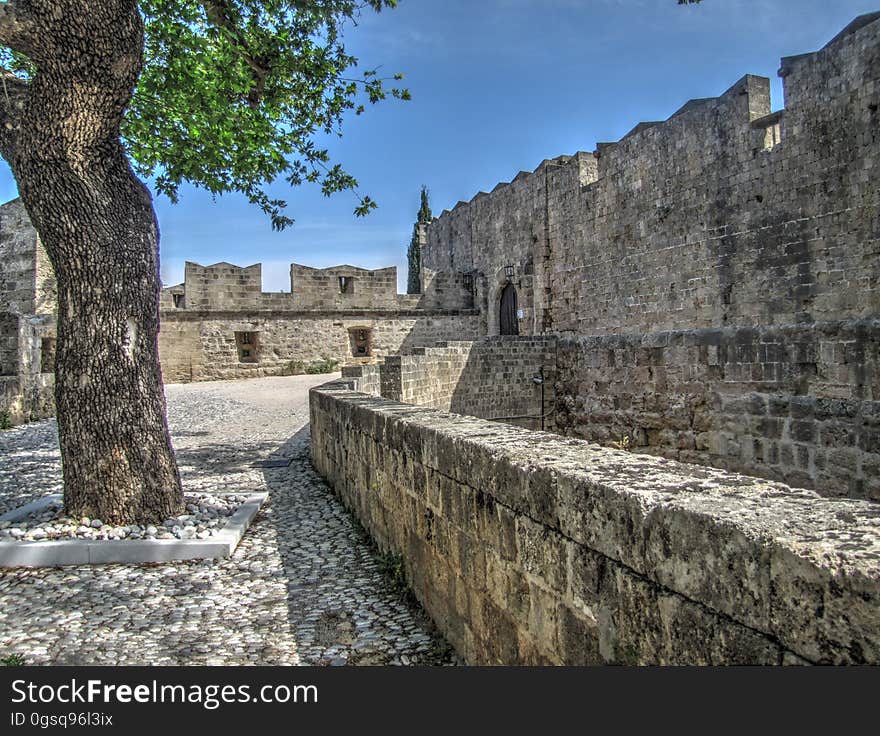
{"type": "Point", "coordinates": [17, 27]}
{"type": "Point", "coordinates": [217, 12]}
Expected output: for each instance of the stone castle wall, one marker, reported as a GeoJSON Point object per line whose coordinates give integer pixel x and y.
{"type": "Point", "coordinates": [225, 287]}
{"type": "Point", "coordinates": [796, 403]}
{"type": "Point", "coordinates": [492, 378]}
{"type": "Point", "coordinates": [221, 286]}
{"type": "Point", "coordinates": [698, 221]}
{"type": "Point", "coordinates": [315, 322]}
{"type": "Point", "coordinates": [202, 346]}
{"type": "Point", "coordinates": [529, 548]}
{"type": "Point", "coordinates": [9, 352]}
{"type": "Point", "coordinates": [27, 305]}
{"type": "Point", "coordinates": [442, 290]}
{"type": "Point", "coordinates": [319, 288]}
{"type": "Point", "coordinates": [27, 282]}
{"type": "Point", "coordinates": [712, 286]}
{"type": "Point", "coordinates": [18, 247]}
{"type": "Point", "coordinates": [27, 383]}
{"type": "Point", "coordinates": [506, 227]}
{"type": "Point", "coordinates": [714, 279]}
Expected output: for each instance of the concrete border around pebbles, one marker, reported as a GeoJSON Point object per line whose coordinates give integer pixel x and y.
{"type": "Point", "coordinates": [131, 551]}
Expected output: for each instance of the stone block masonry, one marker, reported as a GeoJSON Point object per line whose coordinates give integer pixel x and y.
{"type": "Point", "coordinates": [493, 378]}
{"type": "Point", "coordinates": [700, 220]}
{"type": "Point", "coordinates": [529, 548]}
{"type": "Point", "coordinates": [713, 279]}
{"type": "Point", "coordinates": [27, 284]}
{"type": "Point", "coordinates": [201, 346]}
{"type": "Point", "coordinates": [797, 403]}
{"type": "Point", "coordinates": [344, 288]}
{"type": "Point", "coordinates": [25, 400]}
{"type": "Point", "coordinates": [224, 287]}
{"type": "Point", "coordinates": [345, 314]}
{"type": "Point", "coordinates": [27, 327]}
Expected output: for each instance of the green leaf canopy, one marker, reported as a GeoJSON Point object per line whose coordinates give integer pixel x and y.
{"type": "Point", "coordinates": [234, 92]}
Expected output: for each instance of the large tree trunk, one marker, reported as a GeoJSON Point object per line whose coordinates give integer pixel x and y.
{"type": "Point", "coordinates": [97, 224]}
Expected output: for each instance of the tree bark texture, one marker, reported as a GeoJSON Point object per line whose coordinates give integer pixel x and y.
{"type": "Point", "coordinates": [96, 221]}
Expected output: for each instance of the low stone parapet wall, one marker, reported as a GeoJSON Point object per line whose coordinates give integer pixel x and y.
{"type": "Point", "coordinates": [530, 548]}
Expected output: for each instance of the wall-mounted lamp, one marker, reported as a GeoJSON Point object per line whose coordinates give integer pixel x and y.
{"type": "Point", "coordinates": [508, 271]}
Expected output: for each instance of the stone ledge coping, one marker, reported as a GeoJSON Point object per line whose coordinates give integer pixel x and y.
{"type": "Point", "coordinates": [802, 568]}
{"type": "Point", "coordinates": [57, 552]}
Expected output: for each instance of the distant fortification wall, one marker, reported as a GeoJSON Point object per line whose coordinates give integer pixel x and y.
{"type": "Point", "coordinates": [224, 287]}
{"type": "Point", "coordinates": [221, 286]}
{"type": "Point", "coordinates": [220, 324]}
{"type": "Point", "coordinates": [343, 287]}
{"type": "Point", "coordinates": [206, 346]}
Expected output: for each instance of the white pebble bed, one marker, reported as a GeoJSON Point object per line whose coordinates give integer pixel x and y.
{"type": "Point", "coordinates": [206, 516]}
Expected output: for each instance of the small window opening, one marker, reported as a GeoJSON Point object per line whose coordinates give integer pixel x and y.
{"type": "Point", "coordinates": [178, 301]}
{"type": "Point", "coordinates": [772, 136]}
{"type": "Point", "coordinates": [346, 285]}
{"type": "Point", "coordinates": [47, 355]}
{"type": "Point", "coordinates": [467, 281]}
{"type": "Point", "coordinates": [360, 342]}
{"type": "Point", "coordinates": [247, 344]}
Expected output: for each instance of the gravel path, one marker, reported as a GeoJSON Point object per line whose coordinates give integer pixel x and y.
{"type": "Point", "coordinates": [302, 587]}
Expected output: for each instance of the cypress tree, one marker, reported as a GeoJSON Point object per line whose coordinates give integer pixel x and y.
{"type": "Point", "coordinates": [414, 252]}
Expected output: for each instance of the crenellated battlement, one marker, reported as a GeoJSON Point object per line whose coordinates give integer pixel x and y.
{"type": "Point", "coordinates": [718, 131]}
{"type": "Point", "coordinates": [703, 266]}
{"type": "Point", "coordinates": [591, 226]}
{"type": "Point", "coordinates": [225, 287]}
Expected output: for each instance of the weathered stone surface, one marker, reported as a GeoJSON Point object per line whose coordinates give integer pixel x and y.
{"type": "Point", "coordinates": [202, 346]}
{"type": "Point", "coordinates": [27, 304]}
{"type": "Point", "coordinates": [649, 560]}
{"type": "Point", "coordinates": [757, 409]}
{"type": "Point", "coordinates": [315, 321]}
{"type": "Point", "coordinates": [708, 274]}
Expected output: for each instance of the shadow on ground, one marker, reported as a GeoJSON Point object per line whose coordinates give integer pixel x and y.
{"type": "Point", "coordinates": [341, 608]}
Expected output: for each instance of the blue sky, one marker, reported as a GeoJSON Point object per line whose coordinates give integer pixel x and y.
{"type": "Point", "coordinates": [498, 86]}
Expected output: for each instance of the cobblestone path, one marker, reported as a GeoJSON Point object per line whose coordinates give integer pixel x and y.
{"type": "Point", "coordinates": [302, 587]}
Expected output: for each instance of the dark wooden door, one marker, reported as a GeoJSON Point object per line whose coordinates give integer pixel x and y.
{"type": "Point", "coordinates": [509, 321]}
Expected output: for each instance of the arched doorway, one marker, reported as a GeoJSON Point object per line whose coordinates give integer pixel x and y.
{"type": "Point", "coordinates": [509, 322]}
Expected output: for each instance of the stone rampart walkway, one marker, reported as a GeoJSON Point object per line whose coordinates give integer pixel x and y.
{"type": "Point", "coordinates": [302, 588]}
